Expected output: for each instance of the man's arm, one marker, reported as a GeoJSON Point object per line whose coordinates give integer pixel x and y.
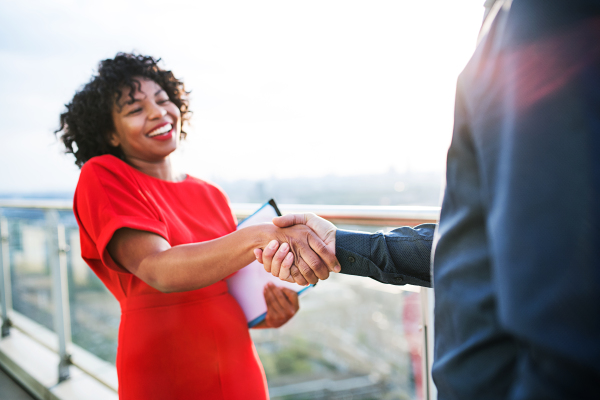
{"type": "Point", "coordinates": [402, 256]}
{"type": "Point", "coordinates": [399, 257]}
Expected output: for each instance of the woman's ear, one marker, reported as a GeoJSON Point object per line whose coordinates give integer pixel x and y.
{"type": "Point", "coordinates": [113, 139]}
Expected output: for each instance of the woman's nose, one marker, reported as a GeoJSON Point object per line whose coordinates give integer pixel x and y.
{"type": "Point", "coordinates": [157, 111]}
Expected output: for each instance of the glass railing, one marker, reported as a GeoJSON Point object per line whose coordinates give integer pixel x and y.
{"type": "Point", "coordinates": [353, 337]}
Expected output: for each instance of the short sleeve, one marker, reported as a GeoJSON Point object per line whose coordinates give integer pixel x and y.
{"type": "Point", "coordinates": [107, 198]}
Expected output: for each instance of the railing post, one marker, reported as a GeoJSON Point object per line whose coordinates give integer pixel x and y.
{"type": "Point", "coordinates": [427, 304]}
{"type": "Point", "coordinates": [60, 289]}
{"type": "Point", "coordinates": [5, 283]}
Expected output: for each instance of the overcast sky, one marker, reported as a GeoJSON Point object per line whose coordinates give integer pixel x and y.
{"type": "Point", "coordinates": [279, 88]}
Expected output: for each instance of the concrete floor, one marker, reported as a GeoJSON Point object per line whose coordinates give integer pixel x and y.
{"type": "Point", "coordinates": [10, 390]}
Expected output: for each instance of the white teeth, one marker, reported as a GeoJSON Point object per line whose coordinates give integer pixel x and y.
{"type": "Point", "coordinates": [161, 130]}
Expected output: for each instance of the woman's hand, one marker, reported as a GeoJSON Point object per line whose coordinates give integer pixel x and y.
{"type": "Point", "coordinates": [282, 305]}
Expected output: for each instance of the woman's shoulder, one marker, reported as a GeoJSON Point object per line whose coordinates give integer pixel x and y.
{"type": "Point", "coordinates": [102, 170]}
{"type": "Point", "coordinates": [205, 183]}
{"type": "Point", "coordinates": [106, 161]}
{"type": "Point", "coordinates": [209, 187]}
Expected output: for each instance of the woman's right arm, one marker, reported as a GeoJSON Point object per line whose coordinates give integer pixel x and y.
{"type": "Point", "coordinates": [193, 266]}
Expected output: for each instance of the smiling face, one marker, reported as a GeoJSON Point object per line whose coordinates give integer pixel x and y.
{"type": "Point", "coordinates": [147, 128]}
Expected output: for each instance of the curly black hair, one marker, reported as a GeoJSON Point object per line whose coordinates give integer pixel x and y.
{"type": "Point", "coordinates": [87, 123]}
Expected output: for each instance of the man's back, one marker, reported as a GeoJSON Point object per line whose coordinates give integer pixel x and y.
{"type": "Point", "coordinates": [517, 264]}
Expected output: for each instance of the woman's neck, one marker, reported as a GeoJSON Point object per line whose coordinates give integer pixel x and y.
{"type": "Point", "coordinates": [162, 169]}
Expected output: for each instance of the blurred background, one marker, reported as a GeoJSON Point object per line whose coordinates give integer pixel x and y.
{"type": "Point", "coordinates": [282, 91]}
{"type": "Point", "coordinates": [312, 102]}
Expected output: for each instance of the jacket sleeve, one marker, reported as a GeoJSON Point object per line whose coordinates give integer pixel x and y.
{"type": "Point", "coordinates": [402, 256]}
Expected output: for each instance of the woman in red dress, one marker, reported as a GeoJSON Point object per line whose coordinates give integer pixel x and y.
{"type": "Point", "coordinates": [163, 243]}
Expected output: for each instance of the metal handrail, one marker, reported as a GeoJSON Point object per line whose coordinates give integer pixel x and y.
{"type": "Point", "coordinates": [37, 204]}
{"type": "Point", "coordinates": [338, 214]}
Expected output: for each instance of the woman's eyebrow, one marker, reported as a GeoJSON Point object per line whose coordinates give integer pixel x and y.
{"type": "Point", "coordinates": [135, 100]}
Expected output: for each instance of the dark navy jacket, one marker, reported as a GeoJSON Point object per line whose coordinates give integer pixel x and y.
{"type": "Point", "coordinates": [516, 266]}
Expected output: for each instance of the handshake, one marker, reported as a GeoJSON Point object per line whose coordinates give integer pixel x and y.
{"type": "Point", "coordinates": [306, 252]}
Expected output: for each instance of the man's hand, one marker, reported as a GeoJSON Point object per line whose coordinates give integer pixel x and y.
{"type": "Point", "coordinates": [312, 257]}
{"type": "Point", "coordinates": [276, 259]}
{"type": "Point", "coordinates": [282, 305]}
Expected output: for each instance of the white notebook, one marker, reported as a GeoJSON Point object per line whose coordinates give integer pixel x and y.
{"type": "Point", "coordinates": [248, 283]}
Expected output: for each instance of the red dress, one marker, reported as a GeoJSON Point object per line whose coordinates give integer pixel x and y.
{"type": "Point", "coordinates": [189, 345]}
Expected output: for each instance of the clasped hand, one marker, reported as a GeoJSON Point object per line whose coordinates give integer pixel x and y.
{"type": "Point", "coordinates": [289, 258]}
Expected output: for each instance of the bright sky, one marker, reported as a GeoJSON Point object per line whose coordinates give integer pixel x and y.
{"type": "Point", "coordinates": [279, 88]}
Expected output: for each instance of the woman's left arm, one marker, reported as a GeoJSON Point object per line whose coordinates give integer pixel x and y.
{"type": "Point", "coordinates": [282, 305]}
